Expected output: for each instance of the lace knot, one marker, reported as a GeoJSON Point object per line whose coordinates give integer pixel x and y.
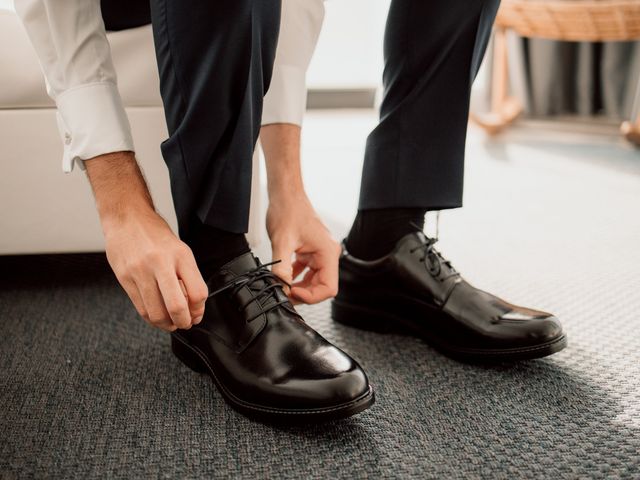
{"type": "Point", "coordinates": [260, 293]}
{"type": "Point", "coordinates": [436, 260]}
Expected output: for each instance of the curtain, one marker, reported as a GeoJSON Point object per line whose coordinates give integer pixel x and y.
{"type": "Point", "coordinates": [580, 78]}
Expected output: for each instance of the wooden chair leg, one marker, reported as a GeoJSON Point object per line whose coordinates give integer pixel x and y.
{"type": "Point", "coordinates": [504, 108]}
{"type": "Point", "coordinates": [631, 129]}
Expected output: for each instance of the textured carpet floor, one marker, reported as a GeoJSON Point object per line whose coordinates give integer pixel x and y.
{"type": "Point", "coordinates": [87, 390]}
{"type": "Point", "coordinates": [93, 392]}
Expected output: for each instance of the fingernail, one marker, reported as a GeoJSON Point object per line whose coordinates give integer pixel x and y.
{"type": "Point", "coordinates": [198, 320]}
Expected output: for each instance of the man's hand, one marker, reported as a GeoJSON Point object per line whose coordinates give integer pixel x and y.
{"type": "Point", "coordinates": [155, 268]}
{"type": "Point", "coordinates": [294, 228]}
{"type": "Point", "coordinates": [292, 223]}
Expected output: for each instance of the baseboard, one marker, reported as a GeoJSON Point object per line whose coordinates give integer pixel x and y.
{"type": "Point", "coordinates": [364, 97]}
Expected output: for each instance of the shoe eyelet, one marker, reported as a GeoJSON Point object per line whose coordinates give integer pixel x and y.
{"type": "Point", "coordinates": [434, 272]}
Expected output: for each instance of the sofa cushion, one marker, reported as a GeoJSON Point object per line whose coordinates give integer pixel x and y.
{"type": "Point", "coordinates": [22, 84]}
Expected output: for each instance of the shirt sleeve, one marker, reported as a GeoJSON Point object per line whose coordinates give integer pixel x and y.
{"type": "Point", "coordinates": [300, 24]}
{"type": "Point", "coordinates": [71, 44]}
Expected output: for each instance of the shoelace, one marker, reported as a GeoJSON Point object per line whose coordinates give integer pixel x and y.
{"type": "Point", "coordinates": [436, 260]}
{"type": "Point", "coordinates": [248, 279]}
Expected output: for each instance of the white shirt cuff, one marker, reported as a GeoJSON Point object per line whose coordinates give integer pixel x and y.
{"type": "Point", "coordinates": [286, 99]}
{"type": "Point", "coordinates": [92, 122]}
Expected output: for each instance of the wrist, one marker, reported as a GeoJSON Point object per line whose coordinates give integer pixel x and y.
{"type": "Point", "coordinates": [119, 189]}
{"type": "Point", "coordinates": [131, 211]}
{"type": "Point", "coordinates": [288, 193]}
{"type": "Point", "coordinates": [284, 190]}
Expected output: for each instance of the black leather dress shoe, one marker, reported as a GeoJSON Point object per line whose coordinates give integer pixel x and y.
{"type": "Point", "coordinates": [265, 360]}
{"type": "Point", "coordinates": [414, 289]}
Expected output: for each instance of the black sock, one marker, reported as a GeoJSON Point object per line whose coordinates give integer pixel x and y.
{"type": "Point", "coordinates": [213, 247]}
{"type": "Point", "coordinates": [374, 233]}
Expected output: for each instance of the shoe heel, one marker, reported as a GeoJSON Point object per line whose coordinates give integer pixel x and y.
{"type": "Point", "coordinates": [187, 356]}
{"type": "Point", "coordinates": [357, 317]}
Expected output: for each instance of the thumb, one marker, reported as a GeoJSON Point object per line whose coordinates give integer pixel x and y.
{"type": "Point", "coordinates": [283, 269]}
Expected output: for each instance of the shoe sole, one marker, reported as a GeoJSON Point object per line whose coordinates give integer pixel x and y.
{"type": "Point", "coordinates": [193, 358]}
{"type": "Point", "coordinates": [382, 322]}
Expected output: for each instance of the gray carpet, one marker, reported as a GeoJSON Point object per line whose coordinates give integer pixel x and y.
{"type": "Point", "coordinates": [87, 390]}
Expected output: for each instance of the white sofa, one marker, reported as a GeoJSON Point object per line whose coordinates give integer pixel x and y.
{"type": "Point", "coordinates": [42, 209]}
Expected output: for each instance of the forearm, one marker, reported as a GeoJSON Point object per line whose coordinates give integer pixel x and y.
{"type": "Point", "coordinates": [119, 188]}
{"type": "Point", "coordinates": [281, 146]}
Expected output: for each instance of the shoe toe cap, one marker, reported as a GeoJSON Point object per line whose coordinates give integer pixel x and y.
{"type": "Point", "coordinates": [335, 380]}
{"type": "Point", "coordinates": [348, 386]}
{"type": "Point", "coordinates": [545, 329]}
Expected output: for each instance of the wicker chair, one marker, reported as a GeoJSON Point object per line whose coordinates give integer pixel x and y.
{"type": "Point", "coordinates": [569, 20]}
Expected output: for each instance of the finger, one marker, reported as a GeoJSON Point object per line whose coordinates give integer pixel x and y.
{"type": "Point", "coordinates": [167, 326]}
{"type": "Point", "coordinates": [182, 287]}
{"type": "Point", "coordinates": [175, 301]}
{"type": "Point", "coordinates": [320, 282]}
{"type": "Point", "coordinates": [157, 314]}
{"type": "Point", "coordinates": [133, 293]}
{"type": "Point", "coordinates": [306, 258]}
{"type": "Point", "coordinates": [329, 270]}
{"type": "Point", "coordinates": [194, 285]}
{"type": "Point", "coordinates": [282, 251]}
{"type": "Point", "coordinates": [311, 294]}
{"type": "Point", "coordinates": [136, 298]}
{"type": "Point", "coordinates": [297, 268]}
{"type": "Point", "coordinates": [295, 301]}
{"type": "Point", "coordinates": [310, 290]}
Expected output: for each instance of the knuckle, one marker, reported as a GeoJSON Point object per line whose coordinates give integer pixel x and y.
{"type": "Point", "coordinates": [183, 249]}
{"type": "Point", "coordinates": [144, 259]}
{"type": "Point", "coordinates": [157, 319]}
{"type": "Point", "coordinates": [201, 294]}
{"type": "Point", "coordinates": [136, 267]}
{"type": "Point", "coordinates": [152, 256]}
{"type": "Point", "coordinates": [175, 309]}
{"type": "Point", "coordinates": [133, 267]}
{"type": "Point", "coordinates": [199, 299]}
{"type": "Point", "coordinates": [124, 276]}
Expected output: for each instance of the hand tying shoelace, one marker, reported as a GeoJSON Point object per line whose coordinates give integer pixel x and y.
{"type": "Point", "coordinates": [266, 361]}
{"type": "Point", "coordinates": [265, 292]}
